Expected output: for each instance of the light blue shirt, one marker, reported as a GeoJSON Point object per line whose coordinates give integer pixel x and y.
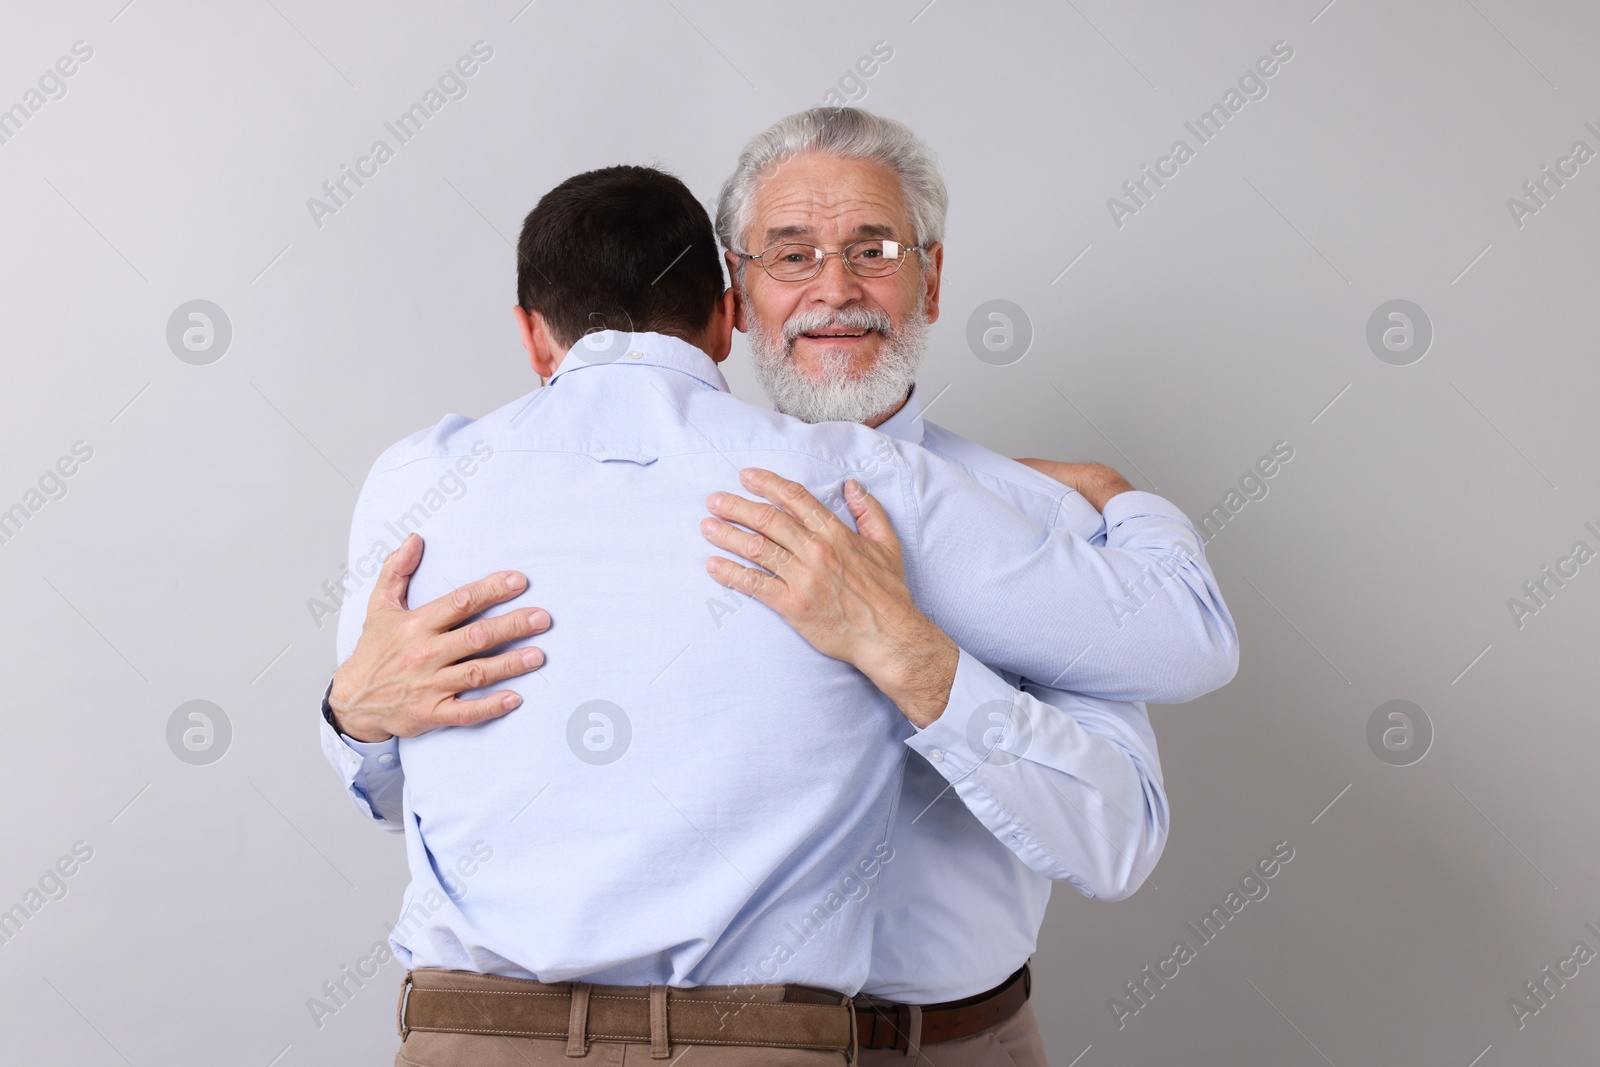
{"type": "Point", "coordinates": [978, 842]}
{"type": "Point", "coordinates": [780, 813]}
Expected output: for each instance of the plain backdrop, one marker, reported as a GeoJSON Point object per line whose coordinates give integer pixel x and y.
{"type": "Point", "coordinates": [1178, 342]}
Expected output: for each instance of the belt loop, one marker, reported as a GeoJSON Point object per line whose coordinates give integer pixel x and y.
{"type": "Point", "coordinates": [855, 1034]}
{"type": "Point", "coordinates": [578, 1019]}
{"type": "Point", "coordinates": [914, 1030]}
{"type": "Point", "coordinates": [1027, 980]}
{"type": "Point", "coordinates": [660, 1041]}
{"type": "Point", "coordinates": [400, 1012]}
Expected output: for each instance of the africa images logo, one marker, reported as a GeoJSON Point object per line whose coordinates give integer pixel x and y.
{"type": "Point", "coordinates": [1252, 85]}
{"type": "Point", "coordinates": [452, 85]}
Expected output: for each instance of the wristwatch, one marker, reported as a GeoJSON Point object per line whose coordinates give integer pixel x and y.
{"type": "Point", "coordinates": [327, 710]}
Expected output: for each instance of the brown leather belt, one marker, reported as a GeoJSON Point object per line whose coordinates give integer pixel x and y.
{"type": "Point", "coordinates": [888, 1024]}
{"type": "Point", "coordinates": [463, 1002]}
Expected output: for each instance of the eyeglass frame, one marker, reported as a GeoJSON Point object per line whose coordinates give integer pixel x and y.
{"type": "Point", "coordinates": [822, 258]}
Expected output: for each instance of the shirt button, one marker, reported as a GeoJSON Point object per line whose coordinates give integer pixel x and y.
{"type": "Point", "coordinates": [386, 758]}
{"type": "Point", "coordinates": [936, 755]}
{"type": "Point", "coordinates": [636, 354]}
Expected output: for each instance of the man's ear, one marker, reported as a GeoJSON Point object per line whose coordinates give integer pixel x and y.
{"type": "Point", "coordinates": [718, 338]}
{"type": "Point", "coordinates": [932, 272]}
{"type": "Point", "coordinates": [741, 309]}
{"type": "Point", "coordinates": [544, 351]}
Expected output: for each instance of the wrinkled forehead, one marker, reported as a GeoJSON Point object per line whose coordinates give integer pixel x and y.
{"type": "Point", "coordinates": [828, 200]}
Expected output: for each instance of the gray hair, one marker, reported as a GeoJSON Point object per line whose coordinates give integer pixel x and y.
{"type": "Point", "coordinates": [847, 132]}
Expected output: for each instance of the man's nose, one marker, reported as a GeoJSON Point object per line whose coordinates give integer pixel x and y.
{"type": "Point", "coordinates": [834, 285]}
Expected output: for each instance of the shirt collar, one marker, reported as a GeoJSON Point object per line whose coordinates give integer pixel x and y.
{"type": "Point", "coordinates": [621, 348]}
{"type": "Point", "coordinates": [905, 424]}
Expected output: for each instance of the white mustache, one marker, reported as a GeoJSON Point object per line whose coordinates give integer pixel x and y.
{"type": "Point", "coordinates": [854, 317]}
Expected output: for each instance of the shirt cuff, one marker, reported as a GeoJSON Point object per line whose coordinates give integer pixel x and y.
{"type": "Point", "coordinates": [355, 758]}
{"type": "Point", "coordinates": [370, 756]}
{"type": "Point", "coordinates": [1136, 503]}
{"type": "Point", "coordinates": [375, 755]}
{"type": "Point", "coordinates": [981, 703]}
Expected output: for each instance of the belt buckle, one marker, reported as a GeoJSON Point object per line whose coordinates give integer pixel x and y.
{"type": "Point", "coordinates": [405, 1000]}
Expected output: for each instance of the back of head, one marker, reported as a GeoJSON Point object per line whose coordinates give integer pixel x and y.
{"type": "Point", "coordinates": [621, 248]}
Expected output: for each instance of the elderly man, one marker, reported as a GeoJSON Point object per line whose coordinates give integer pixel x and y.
{"type": "Point", "coordinates": [1067, 787]}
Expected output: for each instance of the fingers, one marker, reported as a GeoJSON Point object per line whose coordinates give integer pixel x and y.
{"type": "Point", "coordinates": [791, 496]}
{"type": "Point", "coordinates": [484, 634]}
{"type": "Point", "coordinates": [763, 587]}
{"type": "Point", "coordinates": [487, 670]}
{"type": "Point", "coordinates": [777, 525]}
{"type": "Point", "coordinates": [752, 546]}
{"type": "Point", "coordinates": [394, 577]}
{"type": "Point", "coordinates": [451, 609]}
{"type": "Point", "coordinates": [458, 712]}
{"type": "Point", "coordinates": [872, 522]}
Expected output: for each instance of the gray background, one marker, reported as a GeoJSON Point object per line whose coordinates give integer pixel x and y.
{"type": "Point", "coordinates": [1228, 314]}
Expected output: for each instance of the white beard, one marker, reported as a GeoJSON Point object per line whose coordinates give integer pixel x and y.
{"type": "Point", "coordinates": [840, 393]}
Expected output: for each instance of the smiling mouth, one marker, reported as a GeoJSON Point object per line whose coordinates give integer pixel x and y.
{"type": "Point", "coordinates": [835, 335]}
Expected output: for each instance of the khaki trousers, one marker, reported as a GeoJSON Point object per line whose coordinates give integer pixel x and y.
{"type": "Point", "coordinates": [1014, 1043]}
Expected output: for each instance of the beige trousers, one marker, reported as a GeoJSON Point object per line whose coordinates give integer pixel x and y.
{"type": "Point", "coordinates": [1014, 1043]}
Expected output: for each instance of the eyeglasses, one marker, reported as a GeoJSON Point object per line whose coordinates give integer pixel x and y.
{"type": "Point", "coordinates": [793, 262]}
